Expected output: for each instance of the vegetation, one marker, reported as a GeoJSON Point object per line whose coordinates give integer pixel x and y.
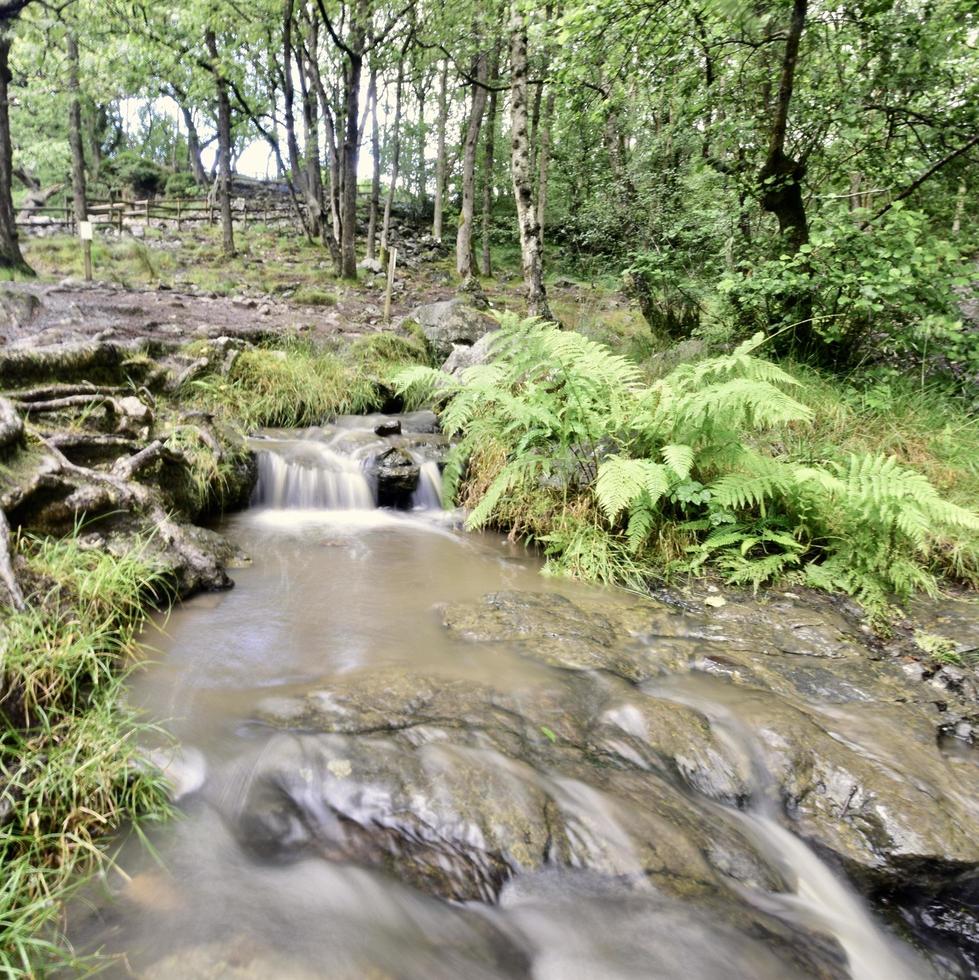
{"type": "Point", "coordinates": [756, 225]}
{"type": "Point", "coordinates": [302, 384]}
{"type": "Point", "coordinates": [68, 766]}
{"type": "Point", "coordinates": [562, 441]}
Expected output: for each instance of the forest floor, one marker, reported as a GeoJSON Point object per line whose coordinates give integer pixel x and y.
{"type": "Point", "coordinates": [173, 286]}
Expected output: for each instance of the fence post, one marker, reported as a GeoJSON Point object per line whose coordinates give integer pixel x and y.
{"type": "Point", "coordinates": [387, 295]}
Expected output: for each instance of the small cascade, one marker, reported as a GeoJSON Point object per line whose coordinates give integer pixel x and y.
{"type": "Point", "coordinates": [428, 493]}
{"type": "Point", "coordinates": [345, 467]}
{"type": "Point", "coordinates": [326, 481]}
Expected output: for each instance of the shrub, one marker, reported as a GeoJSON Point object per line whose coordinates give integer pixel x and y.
{"type": "Point", "coordinates": [182, 185]}
{"type": "Point", "coordinates": [885, 292]}
{"type": "Point", "coordinates": [129, 170]}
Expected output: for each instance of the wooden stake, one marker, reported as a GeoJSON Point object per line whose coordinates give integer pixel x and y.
{"type": "Point", "coordinates": [85, 232]}
{"type": "Point", "coordinates": [392, 262]}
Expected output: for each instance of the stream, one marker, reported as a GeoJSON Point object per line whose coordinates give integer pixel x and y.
{"type": "Point", "coordinates": [375, 780]}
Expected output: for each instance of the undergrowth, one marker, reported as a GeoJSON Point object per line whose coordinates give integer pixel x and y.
{"type": "Point", "coordinates": [68, 774]}
{"type": "Point", "coordinates": [622, 480]}
{"type": "Point", "coordinates": [301, 384]}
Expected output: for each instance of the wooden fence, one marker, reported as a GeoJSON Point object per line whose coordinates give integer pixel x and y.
{"type": "Point", "coordinates": [121, 214]}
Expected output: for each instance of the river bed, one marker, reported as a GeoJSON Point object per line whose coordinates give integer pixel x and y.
{"type": "Point", "coordinates": [375, 780]}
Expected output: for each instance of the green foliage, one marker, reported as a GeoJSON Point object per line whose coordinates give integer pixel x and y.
{"type": "Point", "coordinates": [644, 478]}
{"type": "Point", "coordinates": [128, 171]}
{"type": "Point", "coordinates": [182, 184]}
{"type": "Point", "coordinates": [311, 296]}
{"type": "Point", "coordinates": [301, 384]}
{"type": "Point", "coordinates": [888, 291]}
{"type": "Point", "coordinates": [68, 771]}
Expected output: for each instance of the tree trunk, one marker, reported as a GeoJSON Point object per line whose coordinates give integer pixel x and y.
{"type": "Point", "coordinates": [520, 166]}
{"type": "Point", "coordinates": [780, 184]}
{"type": "Point", "coordinates": [376, 175]}
{"type": "Point", "coordinates": [224, 144]}
{"type": "Point", "coordinates": [486, 265]}
{"type": "Point", "coordinates": [440, 157]}
{"type": "Point", "coordinates": [351, 139]}
{"type": "Point", "coordinates": [313, 184]}
{"type": "Point", "coordinates": [544, 159]}
{"type": "Point", "coordinates": [420, 175]}
{"type": "Point", "coordinates": [465, 256]}
{"type": "Point", "coordinates": [75, 133]}
{"type": "Point", "coordinates": [780, 178]}
{"type": "Point", "coordinates": [331, 233]}
{"type": "Point", "coordinates": [395, 159]}
{"type": "Point", "coordinates": [10, 254]}
{"type": "Point", "coordinates": [193, 146]}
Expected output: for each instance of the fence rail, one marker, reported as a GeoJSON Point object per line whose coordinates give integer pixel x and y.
{"type": "Point", "coordinates": [120, 213]}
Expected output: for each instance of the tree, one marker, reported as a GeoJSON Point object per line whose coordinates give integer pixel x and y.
{"type": "Point", "coordinates": [521, 167]}
{"type": "Point", "coordinates": [11, 258]}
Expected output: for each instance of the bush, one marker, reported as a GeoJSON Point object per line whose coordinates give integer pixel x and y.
{"type": "Point", "coordinates": [884, 293]}
{"type": "Point", "coordinates": [182, 185]}
{"type": "Point", "coordinates": [561, 441]}
{"type": "Point", "coordinates": [128, 170]}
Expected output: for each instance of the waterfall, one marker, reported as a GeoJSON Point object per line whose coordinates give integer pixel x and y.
{"type": "Point", "coordinates": [333, 482]}
{"type": "Point", "coordinates": [428, 494]}
{"type": "Point", "coordinates": [344, 468]}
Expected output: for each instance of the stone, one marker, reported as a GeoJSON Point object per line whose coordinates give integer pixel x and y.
{"type": "Point", "coordinates": [396, 476]}
{"type": "Point", "coordinates": [388, 427]}
{"type": "Point", "coordinates": [370, 265]}
{"type": "Point", "coordinates": [451, 322]}
{"type": "Point", "coordinates": [465, 356]}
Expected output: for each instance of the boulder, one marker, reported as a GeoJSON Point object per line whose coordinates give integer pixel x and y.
{"type": "Point", "coordinates": [465, 356]}
{"type": "Point", "coordinates": [395, 475]}
{"type": "Point", "coordinates": [370, 265]}
{"type": "Point", "coordinates": [451, 322]}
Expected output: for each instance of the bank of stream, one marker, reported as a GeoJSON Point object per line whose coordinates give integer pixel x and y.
{"type": "Point", "coordinates": [399, 751]}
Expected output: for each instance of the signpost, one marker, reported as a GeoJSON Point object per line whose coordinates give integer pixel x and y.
{"type": "Point", "coordinates": [85, 233]}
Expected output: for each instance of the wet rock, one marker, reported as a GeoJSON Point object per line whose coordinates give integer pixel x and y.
{"type": "Point", "coordinates": [868, 783]}
{"type": "Point", "coordinates": [465, 356]}
{"type": "Point", "coordinates": [388, 427]}
{"type": "Point", "coordinates": [550, 628]}
{"type": "Point", "coordinates": [396, 477]}
{"type": "Point", "coordinates": [451, 322]}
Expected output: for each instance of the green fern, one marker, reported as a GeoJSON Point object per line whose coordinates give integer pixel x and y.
{"type": "Point", "coordinates": [604, 470]}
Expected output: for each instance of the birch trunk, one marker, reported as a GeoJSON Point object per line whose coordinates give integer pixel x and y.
{"type": "Point", "coordinates": [224, 144]}
{"type": "Point", "coordinates": [489, 149]}
{"type": "Point", "coordinates": [440, 157]}
{"type": "Point", "coordinates": [521, 170]}
{"type": "Point", "coordinates": [376, 176]}
{"type": "Point", "coordinates": [395, 160]}
{"type": "Point", "coordinates": [465, 256]}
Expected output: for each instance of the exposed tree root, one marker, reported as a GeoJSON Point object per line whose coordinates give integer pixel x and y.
{"type": "Point", "coordinates": [15, 597]}
{"type": "Point", "coordinates": [11, 426]}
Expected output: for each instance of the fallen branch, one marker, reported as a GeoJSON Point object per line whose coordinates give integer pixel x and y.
{"type": "Point", "coordinates": [48, 392]}
{"type": "Point", "coordinates": [189, 372]}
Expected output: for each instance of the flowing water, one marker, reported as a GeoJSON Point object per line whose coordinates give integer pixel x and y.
{"type": "Point", "coordinates": [346, 872]}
